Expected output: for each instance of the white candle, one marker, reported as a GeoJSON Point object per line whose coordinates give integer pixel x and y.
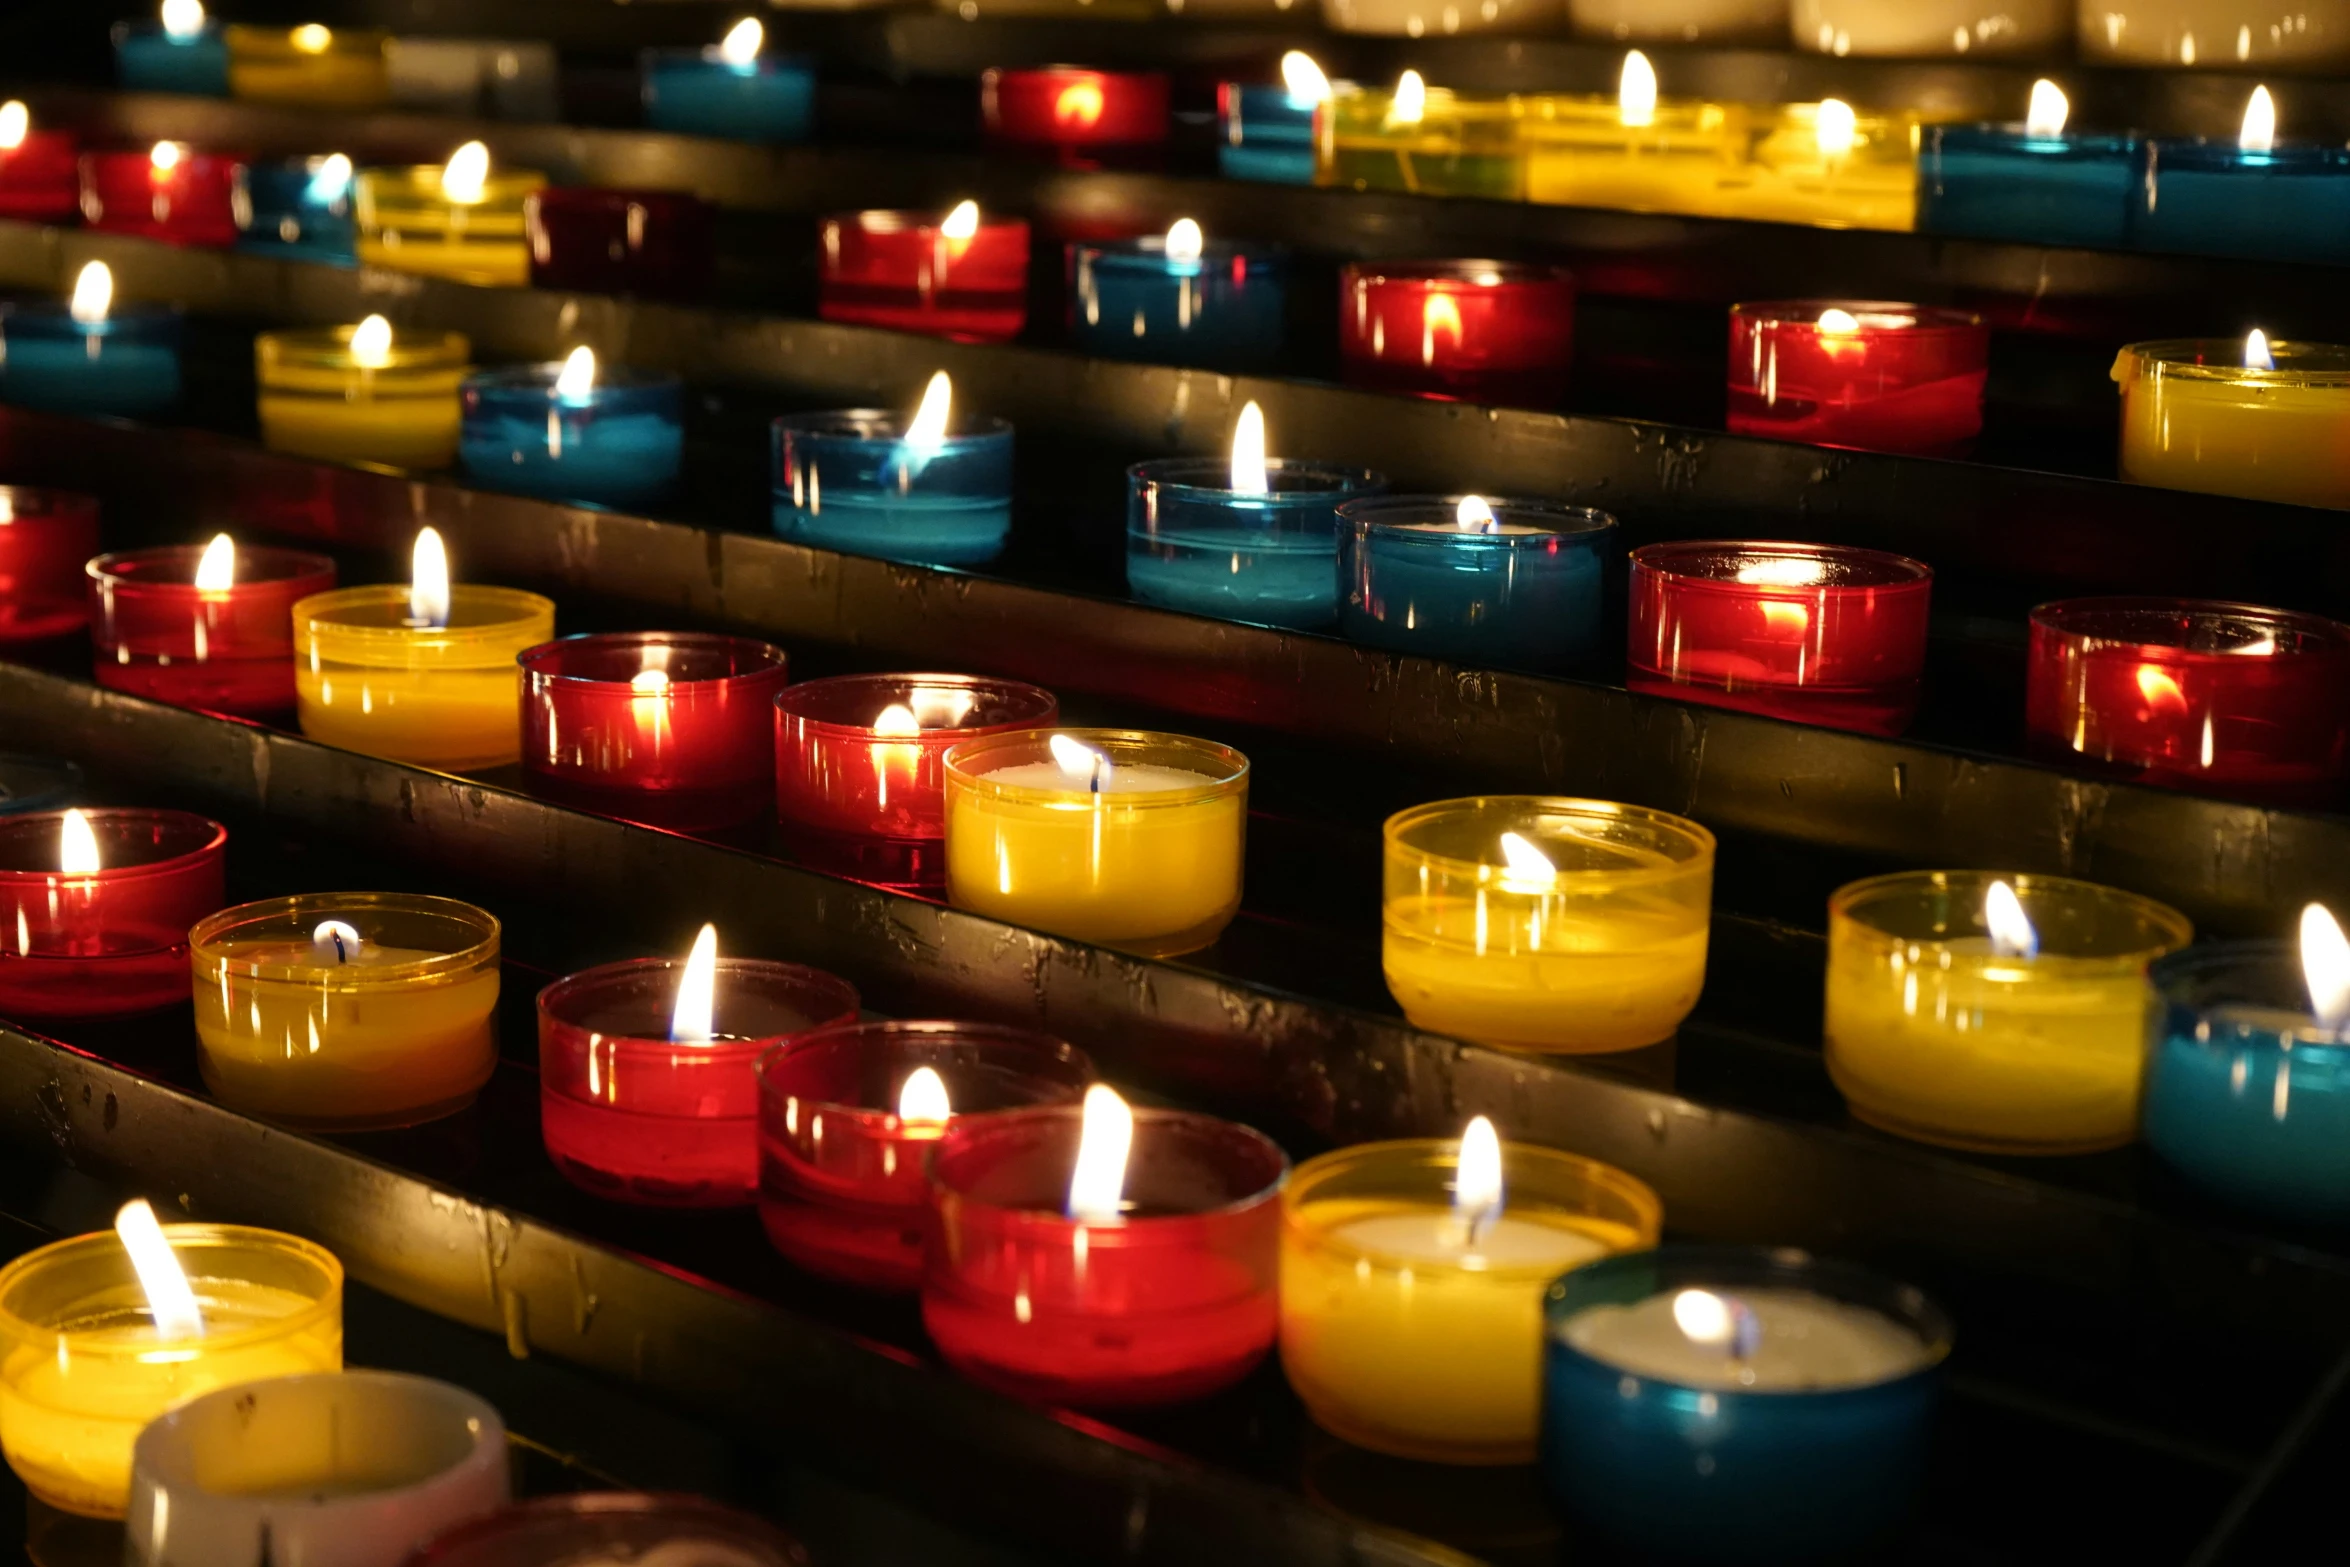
{"type": "Point", "coordinates": [1125, 778]}
{"type": "Point", "coordinates": [1800, 1342]}
{"type": "Point", "coordinates": [1930, 27]}
{"type": "Point", "coordinates": [1681, 21]}
{"type": "Point", "coordinates": [1503, 1242]}
{"type": "Point", "coordinates": [2214, 32]}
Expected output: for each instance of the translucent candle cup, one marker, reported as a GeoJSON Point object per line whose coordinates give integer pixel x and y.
{"type": "Point", "coordinates": [2169, 34]}
{"type": "Point", "coordinates": [368, 679]}
{"type": "Point", "coordinates": [409, 223]}
{"type": "Point", "coordinates": [620, 442]}
{"type": "Point", "coordinates": [127, 365]}
{"type": "Point", "coordinates": [2211, 196]}
{"type": "Point", "coordinates": [656, 244]}
{"type": "Point", "coordinates": [1496, 332]}
{"type": "Point", "coordinates": [1069, 109]}
{"type": "Point", "coordinates": [46, 538]}
{"type": "Point", "coordinates": [1265, 133]}
{"type": "Point", "coordinates": [40, 177]}
{"type": "Point", "coordinates": [1455, 145]}
{"type": "Point", "coordinates": [1223, 309]}
{"type": "Point", "coordinates": [1689, 156]}
{"type": "Point", "coordinates": [1522, 592]}
{"type": "Point", "coordinates": [1935, 1032]}
{"type": "Point", "coordinates": [900, 270]}
{"type": "Point", "coordinates": [2196, 417]}
{"type": "Point", "coordinates": [150, 58]}
{"type": "Point", "coordinates": [849, 481]}
{"type": "Point", "coordinates": [1930, 27]}
{"type": "Point", "coordinates": [297, 208]}
{"type": "Point", "coordinates": [310, 66]}
{"type": "Point", "coordinates": [1196, 544]}
{"type": "Point", "coordinates": [1534, 922]}
{"type": "Point", "coordinates": [320, 398]}
{"type": "Point", "coordinates": [2006, 182]}
{"type": "Point", "coordinates": [109, 942]}
{"type": "Point", "coordinates": [843, 1177]}
{"type": "Point", "coordinates": [564, 1531]}
{"type": "Point", "coordinates": [188, 200]}
{"type": "Point", "coordinates": [154, 633]}
{"type": "Point", "coordinates": [1874, 376]}
{"type": "Point", "coordinates": [347, 1011]}
{"type": "Point", "coordinates": [700, 92]}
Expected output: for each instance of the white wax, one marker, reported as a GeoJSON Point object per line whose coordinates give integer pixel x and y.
{"type": "Point", "coordinates": [1132, 778]}
{"type": "Point", "coordinates": [1807, 1343]}
{"type": "Point", "coordinates": [1503, 1242]}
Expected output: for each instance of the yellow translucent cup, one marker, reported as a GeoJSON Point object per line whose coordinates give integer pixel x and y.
{"type": "Point", "coordinates": [1818, 163]}
{"type": "Point", "coordinates": [448, 696]}
{"type": "Point", "coordinates": [310, 66]}
{"type": "Point", "coordinates": [1450, 145]}
{"type": "Point", "coordinates": [318, 400]}
{"type": "Point", "coordinates": [2194, 418]}
{"type": "Point", "coordinates": [408, 223]}
{"type": "Point", "coordinates": [1580, 153]}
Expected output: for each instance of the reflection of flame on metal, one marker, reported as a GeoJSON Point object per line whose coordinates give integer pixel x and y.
{"type": "Point", "coordinates": [2161, 690]}
{"type": "Point", "coordinates": [1440, 314]}
{"type": "Point", "coordinates": [1079, 107]}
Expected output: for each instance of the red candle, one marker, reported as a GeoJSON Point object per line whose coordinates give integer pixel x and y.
{"type": "Point", "coordinates": [1886, 378]}
{"type": "Point", "coordinates": [1497, 332]}
{"type": "Point", "coordinates": [1164, 1292]}
{"type": "Point", "coordinates": [45, 537]}
{"type": "Point", "coordinates": [1073, 109]}
{"type": "Point", "coordinates": [860, 768]}
{"type": "Point", "coordinates": [647, 1092]}
{"type": "Point", "coordinates": [675, 728]}
{"type": "Point", "coordinates": [661, 244]}
{"type": "Point", "coordinates": [847, 1122]}
{"type": "Point", "coordinates": [2192, 694]}
{"type": "Point", "coordinates": [39, 179]}
{"type": "Point", "coordinates": [204, 626]}
{"type": "Point", "coordinates": [960, 275]}
{"type": "Point", "coordinates": [95, 908]}
{"type": "Point", "coordinates": [169, 192]}
{"type": "Point", "coordinates": [1813, 632]}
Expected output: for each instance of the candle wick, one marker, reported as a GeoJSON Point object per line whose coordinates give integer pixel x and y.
{"type": "Point", "coordinates": [340, 955]}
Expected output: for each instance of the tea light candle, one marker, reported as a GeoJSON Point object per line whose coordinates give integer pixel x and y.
{"type": "Point", "coordinates": [1542, 923]}
{"type": "Point", "coordinates": [40, 170]}
{"type": "Point", "coordinates": [298, 208]}
{"type": "Point", "coordinates": [1418, 18]}
{"type": "Point", "coordinates": [1072, 110]}
{"type": "Point", "coordinates": [1178, 298]}
{"type": "Point", "coordinates": [95, 908]}
{"type": "Point", "coordinates": [1490, 584]}
{"type": "Point", "coordinates": [935, 490]}
{"type": "Point", "coordinates": [309, 67]}
{"type": "Point", "coordinates": [2000, 1014]}
{"type": "Point", "coordinates": [182, 51]}
{"type": "Point", "coordinates": [1252, 538]}
{"type": "Point", "coordinates": [89, 356]}
{"type": "Point", "coordinates": [1825, 164]}
{"type": "Point", "coordinates": [1635, 151]}
{"type": "Point", "coordinates": [1421, 139]}
{"type": "Point", "coordinates": [848, 1116]}
{"type": "Point", "coordinates": [1497, 332]}
{"type": "Point", "coordinates": [2256, 197]}
{"type": "Point", "coordinates": [2266, 420]}
{"type": "Point", "coordinates": [346, 1011]}
{"type": "Point", "coordinates": [102, 1334]}
{"type": "Point", "coordinates": [658, 244]}
{"type": "Point", "coordinates": [205, 626]}
{"type": "Point", "coordinates": [1732, 1403]}
{"type": "Point", "coordinates": [366, 393]}
{"type": "Point", "coordinates": [1119, 838]}
{"type": "Point", "coordinates": [2035, 182]}
{"type": "Point", "coordinates": [733, 90]}
{"type": "Point", "coordinates": [36, 783]}
{"type": "Point", "coordinates": [1905, 28]}
{"type": "Point", "coordinates": [676, 728]}
{"type": "Point", "coordinates": [2194, 694]}
{"type": "Point", "coordinates": [1104, 1257]}
{"type": "Point", "coordinates": [459, 221]}
{"type": "Point", "coordinates": [1267, 131]}
{"type": "Point", "coordinates": [1411, 1296]}
{"type": "Point", "coordinates": [170, 192]}
{"type": "Point", "coordinates": [1762, 22]}
{"type": "Point", "coordinates": [45, 536]}
{"type": "Point", "coordinates": [1881, 377]}
{"type": "Point", "coordinates": [1818, 633]}
{"type": "Point", "coordinates": [962, 276]}
{"type": "Point", "coordinates": [422, 673]}
{"type": "Point", "coordinates": [2180, 32]}
{"type": "Point", "coordinates": [860, 765]}
{"type": "Point", "coordinates": [574, 431]}
{"type": "Point", "coordinates": [585, 1527]}
{"type": "Point", "coordinates": [647, 1092]}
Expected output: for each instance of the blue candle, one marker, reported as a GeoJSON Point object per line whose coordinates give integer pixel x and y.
{"type": "Point", "coordinates": [182, 53]}
{"type": "Point", "coordinates": [298, 208]}
{"type": "Point", "coordinates": [731, 90]}
{"type": "Point", "coordinates": [932, 491]}
{"type": "Point", "coordinates": [2255, 199]}
{"type": "Point", "coordinates": [1496, 584]}
{"type": "Point", "coordinates": [1178, 299]}
{"type": "Point", "coordinates": [2035, 181]}
{"type": "Point", "coordinates": [570, 432]}
{"type": "Point", "coordinates": [1737, 1404]}
{"type": "Point", "coordinates": [89, 357]}
{"type": "Point", "coordinates": [1268, 132]}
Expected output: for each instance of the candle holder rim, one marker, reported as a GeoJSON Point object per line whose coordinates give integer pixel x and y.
{"type": "Point", "coordinates": [215, 842]}
{"type": "Point", "coordinates": [733, 1526]}
{"type": "Point", "coordinates": [1000, 1125]}
{"type": "Point", "coordinates": [1035, 1045]}
{"type": "Point", "coordinates": [2007, 133]}
{"type": "Point", "coordinates": [1361, 514]}
{"type": "Point", "coordinates": [996, 73]}
{"type": "Point", "coordinates": [68, 781]}
{"type": "Point", "coordinates": [765, 61]}
{"type": "Point", "coordinates": [965, 433]}
{"type": "Point", "coordinates": [959, 757]}
{"type": "Point", "coordinates": [828, 684]}
{"type": "Point", "coordinates": [523, 609]}
{"type": "Point", "coordinates": [1163, 473]}
{"type": "Point", "coordinates": [149, 26]}
{"type": "Point", "coordinates": [39, 502]}
{"type": "Point", "coordinates": [329, 348]}
{"type": "Point", "coordinates": [171, 1467]}
{"type": "Point", "coordinates": [183, 1237]}
{"type": "Point", "coordinates": [265, 36]}
{"type": "Point", "coordinates": [610, 378]}
{"type": "Point", "coordinates": [1112, 254]}
{"type": "Point", "coordinates": [2173, 972]}
{"type": "Point", "coordinates": [2063, 618]}
{"type": "Point", "coordinates": [2228, 151]}
{"type": "Point", "coordinates": [914, 220]}
{"type": "Point", "coordinates": [1667, 559]}
{"type": "Point", "coordinates": [280, 563]}
{"type": "Point", "coordinates": [773, 661]}
{"type": "Point", "coordinates": [122, 317]}
{"type": "Point", "coordinates": [2193, 359]}
{"type": "Point", "coordinates": [1846, 902]}
{"type": "Point", "coordinates": [574, 986]}
{"type": "Point", "coordinates": [441, 967]}
{"type": "Point", "coordinates": [504, 183]}
{"type": "Point", "coordinates": [1926, 320]}
{"type": "Point", "coordinates": [1680, 830]}
{"type": "Point", "coordinates": [1446, 269]}
{"type": "Point", "coordinates": [589, 197]}
{"type": "Point", "coordinates": [191, 155]}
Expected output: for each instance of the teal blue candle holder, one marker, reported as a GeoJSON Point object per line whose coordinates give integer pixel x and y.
{"type": "Point", "coordinates": [1223, 310]}
{"type": "Point", "coordinates": [699, 92]}
{"type": "Point", "coordinates": [2212, 198]}
{"type": "Point", "coordinates": [619, 444]}
{"type": "Point", "coordinates": [1194, 543]}
{"type": "Point", "coordinates": [850, 481]}
{"type": "Point", "coordinates": [2002, 182]}
{"type": "Point", "coordinates": [1520, 589]}
{"type": "Point", "coordinates": [1265, 133]}
{"type": "Point", "coordinates": [298, 209]}
{"type": "Point", "coordinates": [149, 59]}
{"type": "Point", "coordinates": [127, 364]}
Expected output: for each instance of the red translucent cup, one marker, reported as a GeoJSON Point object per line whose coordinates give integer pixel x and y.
{"type": "Point", "coordinates": [2193, 694]}
{"type": "Point", "coordinates": [673, 728]}
{"type": "Point", "coordinates": [155, 634]}
{"type": "Point", "coordinates": [1817, 633]}
{"type": "Point", "coordinates": [46, 536]}
{"type": "Point", "coordinates": [40, 178]}
{"type": "Point", "coordinates": [1177, 1301]}
{"type": "Point", "coordinates": [1072, 108]}
{"type": "Point", "coordinates": [896, 270]}
{"type": "Point", "coordinates": [112, 942]}
{"type": "Point", "coordinates": [632, 1115]}
{"type": "Point", "coordinates": [661, 244]}
{"type": "Point", "coordinates": [612, 1527]}
{"type": "Point", "coordinates": [1879, 377]}
{"type": "Point", "coordinates": [1497, 332]}
{"type": "Point", "coordinates": [188, 201]}
{"type": "Point", "coordinates": [870, 806]}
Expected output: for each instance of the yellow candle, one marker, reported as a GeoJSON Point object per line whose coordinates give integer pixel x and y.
{"type": "Point", "coordinates": [309, 66]}
{"type": "Point", "coordinates": [1130, 840]}
{"type": "Point", "coordinates": [1823, 164]}
{"type": "Point", "coordinates": [459, 220]}
{"type": "Point", "coordinates": [1538, 923]}
{"type": "Point", "coordinates": [1422, 139]}
{"type": "Point", "coordinates": [1633, 150]}
{"type": "Point", "coordinates": [1411, 1319]}
{"type": "Point", "coordinates": [2269, 421]}
{"type": "Point", "coordinates": [346, 1011]}
{"type": "Point", "coordinates": [2005, 1015]}
{"type": "Point", "coordinates": [365, 393]}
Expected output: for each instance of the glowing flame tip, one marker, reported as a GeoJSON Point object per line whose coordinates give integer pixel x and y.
{"type": "Point", "coordinates": [216, 572]}
{"type": "Point", "coordinates": [2260, 123]}
{"type": "Point", "coordinates": [697, 992]}
{"type": "Point", "coordinates": [2044, 117]}
{"type": "Point", "coordinates": [1097, 1183]}
{"type": "Point", "coordinates": [1636, 94]}
{"type": "Point", "coordinates": [15, 121]}
{"type": "Point", "coordinates": [924, 1097]}
{"type": "Point", "coordinates": [1837, 323]}
{"type": "Point", "coordinates": [1248, 453]}
{"type": "Point", "coordinates": [467, 172]}
{"type": "Point", "coordinates": [2256, 351]}
{"type": "Point", "coordinates": [77, 846]}
{"type": "Point", "coordinates": [1837, 128]}
{"type": "Point", "coordinates": [428, 580]}
{"type": "Point", "coordinates": [1525, 863]}
{"type": "Point", "coordinates": [1474, 515]}
{"type": "Point", "coordinates": [899, 719]}
{"type": "Point", "coordinates": [1185, 241]}
{"type": "Point", "coordinates": [183, 18]}
{"type": "Point", "coordinates": [963, 222]}
{"type": "Point", "coordinates": [742, 42]}
{"type": "Point", "coordinates": [928, 432]}
{"type": "Point", "coordinates": [1476, 1189]}
{"type": "Point", "coordinates": [93, 294]}
{"type": "Point", "coordinates": [1303, 78]}
{"type": "Point", "coordinates": [2010, 928]}
{"type": "Point", "coordinates": [577, 379]}
{"type": "Point", "coordinates": [169, 1299]}
{"type": "Point", "coordinates": [371, 343]}
{"type": "Point", "coordinates": [2325, 966]}
{"type": "Point", "coordinates": [1410, 104]}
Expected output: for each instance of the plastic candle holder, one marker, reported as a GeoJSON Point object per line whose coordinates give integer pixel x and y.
{"type": "Point", "coordinates": [408, 224]}
{"type": "Point", "coordinates": [2193, 694]}
{"type": "Point", "coordinates": [2194, 417]}
{"type": "Point", "coordinates": [1809, 1449]}
{"type": "Point", "coordinates": [1072, 110]}
{"type": "Point", "coordinates": [1194, 543]}
{"type": "Point", "coordinates": [843, 1180]}
{"type": "Point", "coordinates": [1818, 633]}
{"type": "Point", "coordinates": [870, 805]}
{"type": "Point", "coordinates": [1149, 863]}
{"type": "Point", "coordinates": [297, 208]}
{"type": "Point", "coordinates": [390, 1029]}
{"type": "Point", "coordinates": [619, 443]}
{"type": "Point", "coordinates": [40, 177]}
{"type": "Point", "coordinates": [1687, 158]}
{"type": "Point", "coordinates": [320, 399]}
{"type": "Point", "coordinates": [657, 244]}
{"type": "Point", "coordinates": [1455, 146]}
{"type": "Point", "coordinates": [1265, 133]}
{"type": "Point", "coordinates": [36, 783]}
{"type": "Point", "coordinates": [268, 1471]}
{"type": "Point", "coordinates": [45, 537]}
{"type": "Point", "coordinates": [1524, 593]}
{"type": "Point", "coordinates": [2212, 198]}
{"type": "Point", "coordinates": [633, 1115]}
{"type": "Point", "coordinates": [127, 364]}
{"type": "Point", "coordinates": [149, 59]}
{"type": "Point", "coordinates": [1930, 27]}
{"type": "Point", "coordinates": [110, 942]}
{"type": "Point", "coordinates": [190, 202]}
{"type": "Point", "coordinates": [699, 92]}
{"type": "Point", "coordinates": [1806, 163]}
{"type": "Point", "coordinates": [1903, 379]}
{"type": "Point", "coordinates": [848, 481]}
{"type": "Point", "coordinates": [2003, 182]}
{"type": "Point", "coordinates": [309, 67]}
{"type": "Point", "coordinates": [897, 270]}
{"type": "Point", "coordinates": [2165, 33]}
{"type": "Point", "coordinates": [561, 1531]}
{"type": "Point", "coordinates": [1934, 1033]}
{"type": "Point", "coordinates": [86, 1370]}
{"type": "Point", "coordinates": [369, 680]}
{"type": "Point", "coordinates": [1129, 299]}
{"type": "Point", "coordinates": [1174, 1301]}
{"type": "Point", "coordinates": [1500, 332]}
{"type": "Point", "coordinates": [1604, 952]}
{"type": "Point", "coordinates": [675, 728]}
{"type": "Point", "coordinates": [155, 634]}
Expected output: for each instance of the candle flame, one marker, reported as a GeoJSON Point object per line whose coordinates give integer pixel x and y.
{"type": "Point", "coordinates": [77, 846]}
{"type": "Point", "coordinates": [2160, 688]}
{"type": "Point", "coordinates": [2260, 123]}
{"type": "Point", "coordinates": [2256, 351]}
{"type": "Point", "coordinates": [1476, 1182]}
{"type": "Point", "coordinates": [1079, 107]}
{"type": "Point", "coordinates": [1097, 1185]}
{"type": "Point", "coordinates": [217, 571]}
{"type": "Point", "coordinates": [2325, 966]}
{"type": "Point", "coordinates": [924, 1098]}
{"type": "Point", "coordinates": [742, 42]}
{"type": "Point", "coordinates": [467, 172]}
{"type": "Point", "coordinates": [899, 719]}
{"type": "Point", "coordinates": [2012, 935]}
{"type": "Point", "coordinates": [1248, 453]}
{"type": "Point", "coordinates": [1410, 103]}
{"type": "Point", "coordinates": [576, 381]}
{"type": "Point", "coordinates": [942, 707]}
{"type": "Point", "coordinates": [428, 581]}
{"type": "Point", "coordinates": [15, 121]}
{"type": "Point", "coordinates": [334, 939]}
{"type": "Point", "coordinates": [183, 18]}
{"type": "Point", "coordinates": [1473, 515]}
{"type": "Point", "coordinates": [164, 156]}
{"type": "Point", "coordinates": [331, 179]}
{"type": "Point", "coordinates": [371, 343]}
{"type": "Point", "coordinates": [1439, 314]}
{"type": "Point", "coordinates": [962, 223]}
{"type": "Point", "coordinates": [1525, 868]}
{"type": "Point", "coordinates": [1185, 242]}
{"type": "Point", "coordinates": [93, 294]}
{"type": "Point", "coordinates": [169, 1299]}
{"type": "Point", "coordinates": [1080, 760]}
{"type": "Point", "coordinates": [928, 432]}
{"type": "Point", "coordinates": [649, 682]}
{"type": "Point", "coordinates": [2045, 116]}
{"type": "Point", "coordinates": [311, 38]}
{"type": "Point", "coordinates": [697, 992]}
{"type": "Point", "coordinates": [1838, 323]}
{"type": "Point", "coordinates": [1837, 128]}
{"type": "Point", "coordinates": [1304, 79]}
{"type": "Point", "coordinates": [1703, 1317]}
{"type": "Point", "coordinates": [1636, 92]}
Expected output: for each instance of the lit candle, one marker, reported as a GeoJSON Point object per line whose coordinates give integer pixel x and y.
{"type": "Point", "coordinates": [962, 276]}
{"type": "Point", "coordinates": [1418, 138]}
{"type": "Point", "coordinates": [2253, 196]}
{"type": "Point", "coordinates": [1488, 583]}
{"type": "Point", "coordinates": [736, 89]}
{"type": "Point", "coordinates": [657, 244]}
{"type": "Point", "coordinates": [365, 393]}
{"type": "Point", "coordinates": [1823, 163]}
{"type": "Point", "coordinates": [1412, 1276]}
{"type": "Point", "coordinates": [2035, 182]}
{"type": "Point", "coordinates": [204, 626]}
{"type": "Point", "coordinates": [299, 208]}
{"type": "Point", "coordinates": [1074, 111]}
{"type": "Point", "coordinates": [1881, 377]}
{"type": "Point", "coordinates": [309, 67]}
{"type": "Point", "coordinates": [934, 489]}
{"type": "Point", "coordinates": [170, 192]}
{"type": "Point", "coordinates": [1499, 332]}
{"type": "Point", "coordinates": [90, 355]}
{"type": "Point", "coordinates": [2264, 419]}
{"type": "Point", "coordinates": [1636, 150]}
{"type": "Point", "coordinates": [1267, 131]}
{"type": "Point", "coordinates": [575, 431]}
{"type": "Point", "coordinates": [40, 178]}
{"type": "Point", "coordinates": [2315, 36]}
{"type": "Point", "coordinates": [181, 51]}
{"type": "Point", "coordinates": [95, 908]}
{"type": "Point", "coordinates": [1908, 28]}
{"type": "Point", "coordinates": [1178, 298]}
{"type": "Point", "coordinates": [45, 537]}
{"type": "Point", "coordinates": [460, 220]}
